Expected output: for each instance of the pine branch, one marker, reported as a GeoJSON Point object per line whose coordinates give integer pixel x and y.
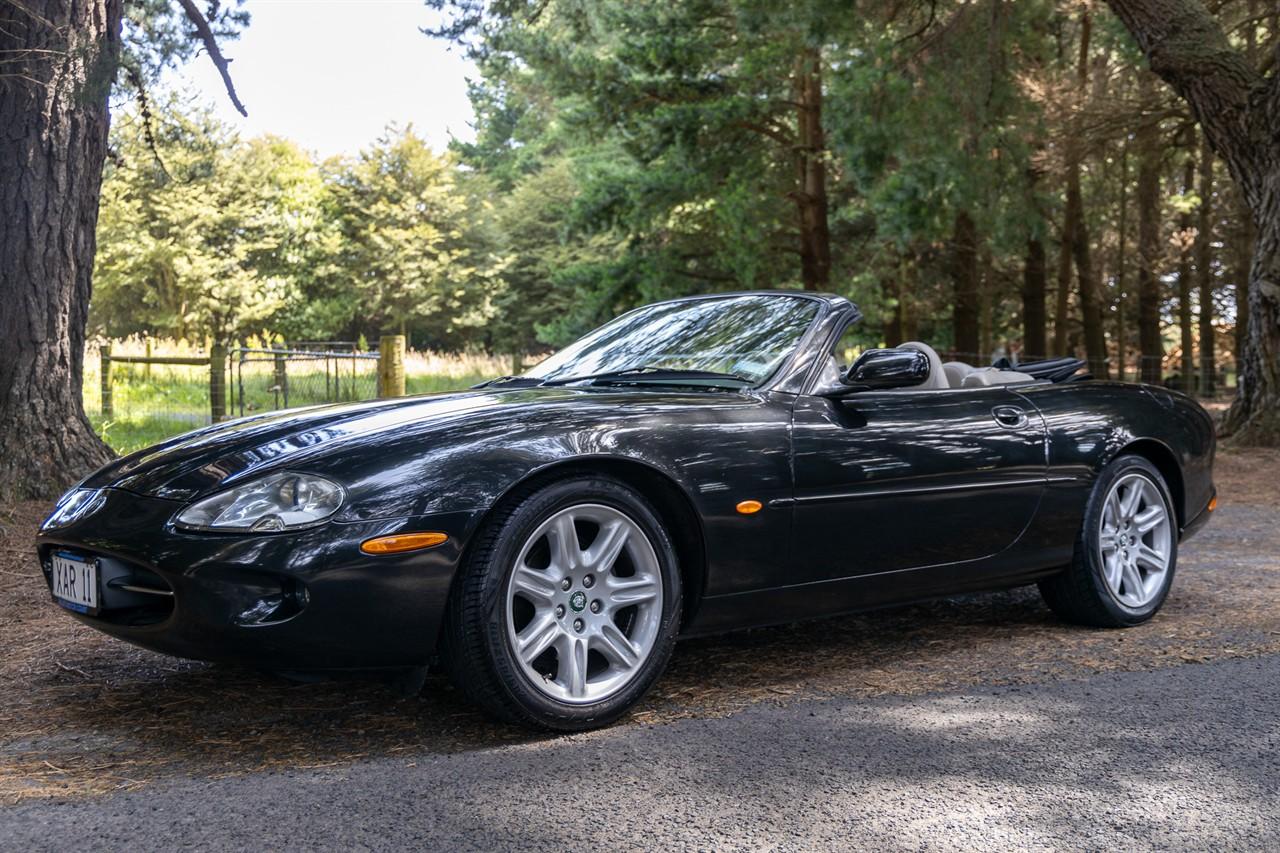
{"type": "Point", "coordinates": [205, 32]}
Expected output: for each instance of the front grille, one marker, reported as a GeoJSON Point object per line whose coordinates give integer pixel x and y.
{"type": "Point", "coordinates": [128, 594]}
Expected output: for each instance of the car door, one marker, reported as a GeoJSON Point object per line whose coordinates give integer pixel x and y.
{"type": "Point", "coordinates": [887, 481]}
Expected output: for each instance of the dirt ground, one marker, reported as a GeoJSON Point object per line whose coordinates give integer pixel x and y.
{"type": "Point", "coordinates": [82, 714]}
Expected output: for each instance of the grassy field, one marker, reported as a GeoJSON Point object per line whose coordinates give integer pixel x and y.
{"type": "Point", "coordinates": [154, 402]}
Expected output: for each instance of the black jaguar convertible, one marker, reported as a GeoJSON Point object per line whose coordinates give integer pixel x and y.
{"type": "Point", "coordinates": [696, 465]}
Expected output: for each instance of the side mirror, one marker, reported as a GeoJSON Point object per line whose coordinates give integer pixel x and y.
{"type": "Point", "coordinates": [878, 369]}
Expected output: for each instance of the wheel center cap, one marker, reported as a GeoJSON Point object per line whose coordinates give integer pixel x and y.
{"type": "Point", "coordinates": [578, 601]}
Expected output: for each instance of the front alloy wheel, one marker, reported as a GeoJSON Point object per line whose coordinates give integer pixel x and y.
{"type": "Point", "coordinates": [584, 603]}
{"type": "Point", "coordinates": [568, 606]}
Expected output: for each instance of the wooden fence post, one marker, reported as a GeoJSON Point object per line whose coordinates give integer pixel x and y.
{"type": "Point", "coordinates": [218, 382]}
{"type": "Point", "coordinates": [391, 366]}
{"type": "Point", "coordinates": [282, 377]}
{"type": "Point", "coordinates": [108, 405]}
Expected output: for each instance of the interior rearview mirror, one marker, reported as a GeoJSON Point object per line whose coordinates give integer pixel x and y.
{"type": "Point", "coordinates": [878, 369]}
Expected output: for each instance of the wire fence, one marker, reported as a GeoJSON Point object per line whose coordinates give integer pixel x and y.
{"type": "Point", "coordinates": [285, 378]}
{"type": "Point", "coordinates": [157, 389]}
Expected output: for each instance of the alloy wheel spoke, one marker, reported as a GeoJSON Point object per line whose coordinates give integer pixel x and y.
{"type": "Point", "coordinates": [537, 637]}
{"type": "Point", "coordinates": [609, 543]}
{"type": "Point", "coordinates": [1133, 582]}
{"type": "Point", "coordinates": [1150, 557]}
{"type": "Point", "coordinates": [1111, 509]}
{"type": "Point", "coordinates": [534, 584]}
{"type": "Point", "coordinates": [1129, 503]}
{"type": "Point", "coordinates": [1107, 540]}
{"type": "Point", "coordinates": [633, 590]}
{"type": "Point", "coordinates": [1149, 519]}
{"type": "Point", "coordinates": [614, 645]}
{"type": "Point", "coordinates": [565, 553]}
{"type": "Point", "coordinates": [573, 658]}
{"type": "Point", "coordinates": [1113, 570]}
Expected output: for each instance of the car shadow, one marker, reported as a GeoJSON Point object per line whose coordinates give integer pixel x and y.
{"type": "Point", "coordinates": [153, 714]}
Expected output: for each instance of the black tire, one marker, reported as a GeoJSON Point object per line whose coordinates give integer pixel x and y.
{"type": "Point", "coordinates": [476, 650]}
{"type": "Point", "coordinates": [1080, 594]}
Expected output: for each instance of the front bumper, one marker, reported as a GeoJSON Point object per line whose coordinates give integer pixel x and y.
{"type": "Point", "coordinates": [309, 600]}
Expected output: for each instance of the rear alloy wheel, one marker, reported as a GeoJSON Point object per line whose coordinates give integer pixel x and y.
{"type": "Point", "coordinates": [1126, 554]}
{"type": "Point", "coordinates": [568, 609]}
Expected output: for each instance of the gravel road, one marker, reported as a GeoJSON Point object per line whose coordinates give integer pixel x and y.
{"type": "Point", "coordinates": [1186, 757]}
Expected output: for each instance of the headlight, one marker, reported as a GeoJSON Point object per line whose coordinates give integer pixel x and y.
{"type": "Point", "coordinates": [73, 506]}
{"type": "Point", "coordinates": [283, 501]}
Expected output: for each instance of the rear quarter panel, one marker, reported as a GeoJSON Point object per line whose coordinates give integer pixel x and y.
{"type": "Point", "coordinates": [1091, 423]}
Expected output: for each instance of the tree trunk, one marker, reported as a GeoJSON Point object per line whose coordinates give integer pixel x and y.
{"type": "Point", "coordinates": [1204, 270]}
{"type": "Point", "coordinates": [1062, 296]}
{"type": "Point", "coordinates": [1150, 346]}
{"type": "Point", "coordinates": [1095, 341]}
{"type": "Point", "coordinates": [1187, 365]}
{"type": "Point", "coordinates": [964, 274]}
{"type": "Point", "coordinates": [1246, 236]}
{"type": "Point", "coordinates": [53, 108]}
{"type": "Point", "coordinates": [1239, 111]}
{"type": "Point", "coordinates": [1034, 283]}
{"type": "Point", "coordinates": [811, 169]}
{"type": "Point", "coordinates": [891, 287]}
{"type": "Point", "coordinates": [1122, 296]}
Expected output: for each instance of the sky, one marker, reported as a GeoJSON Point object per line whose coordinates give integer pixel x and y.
{"type": "Point", "coordinates": [331, 74]}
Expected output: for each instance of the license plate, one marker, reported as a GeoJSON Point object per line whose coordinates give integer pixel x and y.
{"type": "Point", "coordinates": [75, 583]}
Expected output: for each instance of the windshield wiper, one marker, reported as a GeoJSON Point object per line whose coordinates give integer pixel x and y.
{"type": "Point", "coordinates": [511, 381]}
{"type": "Point", "coordinates": [646, 374]}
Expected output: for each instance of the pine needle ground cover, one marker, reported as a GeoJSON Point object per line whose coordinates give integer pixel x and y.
{"type": "Point", "coordinates": [82, 714]}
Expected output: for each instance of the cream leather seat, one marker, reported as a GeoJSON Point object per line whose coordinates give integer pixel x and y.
{"type": "Point", "coordinates": [937, 376]}
{"type": "Point", "coordinates": [956, 371]}
{"type": "Point", "coordinates": [982, 377]}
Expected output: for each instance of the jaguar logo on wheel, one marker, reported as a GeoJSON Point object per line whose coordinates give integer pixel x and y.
{"type": "Point", "coordinates": [578, 601]}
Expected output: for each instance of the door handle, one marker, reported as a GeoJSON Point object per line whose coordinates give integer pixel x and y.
{"type": "Point", "coordinates": [1009, 416]}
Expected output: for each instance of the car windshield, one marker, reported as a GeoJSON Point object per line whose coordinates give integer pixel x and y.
{"type": "Point", "coordinates": [744, 336]}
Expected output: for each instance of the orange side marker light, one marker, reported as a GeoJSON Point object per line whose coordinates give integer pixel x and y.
{"type": "Point", "coordinates": [1213, 503]}
{"type": "Point", "coordinates": [401, 542]}
{"type": "Point", "coordinates": [750, 507]}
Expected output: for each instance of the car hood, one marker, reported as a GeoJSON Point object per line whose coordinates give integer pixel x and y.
{"type": "Point", "coordinates": [223, 454]}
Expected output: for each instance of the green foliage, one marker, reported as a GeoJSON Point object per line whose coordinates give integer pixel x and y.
{"type": "Point", "coordinates": [199, 236]}
{"type": "Point", "coordinates": [206, 236]}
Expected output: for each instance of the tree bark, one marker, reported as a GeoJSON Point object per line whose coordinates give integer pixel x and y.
{"type": "Point", "coordinates": [1062, 296]}
{"type": "Point", "coordinates": [811, 174]}
{"type": "Point", "coordinates": [1034, 283]}
{"type": "Point", "coordinates": [1239, 111]}
{"type": "Point", "coordinates": [1122, 295]}
{"type": "Point", "coordinates": [1150, 345]}
{"type": "Point", "coordinates": [964, 275]}
{"type": "Point", "coordinates": [891, 287]}
{"type": "Point", "coordinates": [1095, 341]}
{"type": "Point", "coordinates": [1245, 237]}
{"type": "Point", "coordinates": [1204, 270]}
{"type": "Point", "coordinates": [62, 56]}
{"type": "Point", "coordinates": [1187, 365]}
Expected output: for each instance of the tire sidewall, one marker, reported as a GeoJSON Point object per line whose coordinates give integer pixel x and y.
{"type": "Point", "coordinates": [1122, 467]}
{"type": "Point", "coordinates": [530, 513]}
